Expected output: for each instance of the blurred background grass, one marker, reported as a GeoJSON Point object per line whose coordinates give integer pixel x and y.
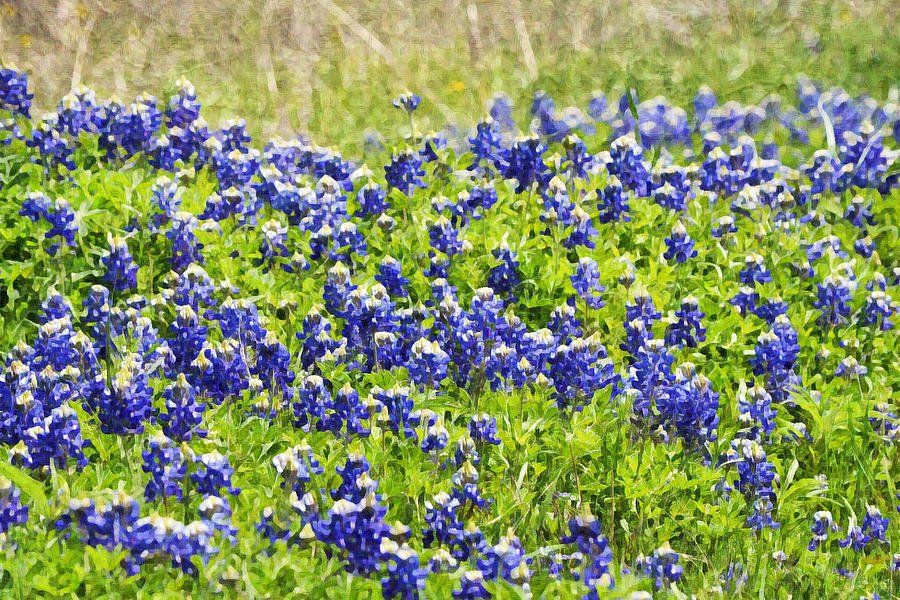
{"type": "Point", "coordinates": [330, 67]}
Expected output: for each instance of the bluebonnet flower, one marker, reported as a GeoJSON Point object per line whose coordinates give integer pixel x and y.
{"type": "Point", "coordinates": [504, 278]}
{"type": "Point", "coordinates": [183, 108]}
{"type": "Point", "coordinates": [121, 272]}
{"type": "Point", "coordinates": [435, 439]}
{"type": "Point", "coordinates": [445, 238]}
{"type": "Point", "coordinates": [184, 414]}
{"type": "Point", "coordinates": [579, 370]}
{"type": "Point", "coordinates": [670, 197]}
{"type": "Point", "coordinates": [13, 513]}
{"type": "Point", "coordinates": [817, 249]}
{"type": "Point", "coordinates": [586, 282]}
{"type": "Point", "coordinates": [165, 464]}
{"type": "Point", "coordinates": [405, 172]}
{"type": "Point", "coordinates": [61, 219]}
{"type": "Point", "coordinates": [679, 245]}
{"type": "Point", "coordinates": [885, 423]}
{"type": "Point", "coordinates": [56, 439]}
{"type": "Point", "coordinates": [189, 337]}
{"type": "Point", "coordinates": [524, 162]}
{"type": "Point", "coordinates": [506, 560]}
{"type": "Point", "coordinates": [35, 206]}
{"type": "Point", "coordinates": [850, 367]}
{"type": "Point", "coordinates": [165, 200]}
{"type": "Point", "coordinates": [344, 412]}
{"type": "Point", "coordinates": [578, 160]}
{"type": "Point", "coordinates": [756, 476]}
{"type": "Point", "coordinates": [774, 356]}
{"type": "Point", "coordinates": [309, 404]}
{"type": "Point", "coordinates": [662, 566]}
{"type": "Point", "coordinates": [483, 427]}
{"type": "Point", "coordinates": [471, 586]}
{"type": "Point", "coordinates": [563, 324]}
{"type": "Point", "coordinates": [756, 413]}
{"type": "Point", "coordinates": [54, 150]}
{"type": "Point", "coordinates": [612, 202]}
{"type": "Point", "coordinates": [823, 524]}
{"type": "Point", "coordinates": [864, 246]}
{"type": "Point", "coordinates": [390, 276]}
{"type": "Point", "coordinates": [833, 297]}
{"type": "Point", "coordinates": [355, 529]}
{"type": "Point", "coordinates": [14, 96]}
{"type": "Point", "coordinates": [754, 271]}
{"type": "Point", "coordinates": [296, 465]}
{"type": "Point", "coordinates": [626, 162]}
{"type": "Point", "coordinates": [485, 145]}
{"type": "Point", "coordinates": [688, 407]}
{"type": "Point", "coordinates": [385, 223]}
{"type": "Point", "coordinates": [858, 213]}
{"type": "Point", "coordinates": [233, 136]}
{"type": "Point", "coordinates": [213, 474]}
{"type": "Point", "coordinates": [348, 241]}
{"type": "Point", "coordinates": [585, 532]}
{"type": "Point", "coordinates": [878, 310]}
{"type": "Point", "coordinates": [407, 101]}
{"type": "Point", "coordinates": [185, 245]}
{"type": "Point", "coordinates": [125, 406]}
{"type": "Point", "coordinates": [688, 329]}
{"type": "Point", "coordinates": [9, 131]}
{"type": "Point", "coordinates": [372, 200]}
{"type": "Point", "coordinates": [405, 577]}
{"type": "Point", "coordinates": [272, 245]}
{"type": "Point", "coordinates": [772, 309]}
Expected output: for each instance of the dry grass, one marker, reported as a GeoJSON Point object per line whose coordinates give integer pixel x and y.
{"type": "Point", "coordinates": [329, 67]}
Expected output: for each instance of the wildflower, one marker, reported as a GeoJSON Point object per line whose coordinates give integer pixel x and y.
{"type": "Point", "coordinates": [662, 566]}
{"type": "Point", "coordinates": [213, 474]}
{"type": "Point", "coordinates": [679, 245]}
{"type": "Point", "coordinates": [407, 101]}
{"type": "Point", "coordinates": [850, 367]}
{"type": "Point", "coordinates": [121, 272]}
{"type": "Point", "coordinates": [13, 512]}
{"type": "Point", "coordinates": [586, 282]}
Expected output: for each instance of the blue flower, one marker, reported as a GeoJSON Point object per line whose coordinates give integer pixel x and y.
{"type": "Point", "coordinates": [296, 465]}
{"type": "Point", "coordinates": [184, 108]}
{"type": "Point", "coordinates": [14, 96]}
{"type": "Point", "coordinates": [877, 310]}
{"type": "Point", "coordinates": [504, 278]}
{"type": "Point", "coordinates": [485, 145]}
{"type": "Point", "coordinates": [405, 577]}
{"type": "Point", "coordinates": [850, 367]}
{"type": "Point", "coordinates": [372, 200]}
{"type": "Point", "coordinates": [754, 271]}
{"type": "Point", "coordinates": [524, 162]}
{"type": "Point", "coordinates": [407, 101]}
{"type": "Point", "coordinates": [405, 172]}
{"type": "Point", "coordinates": [167, 468]}
{"type": "Point", "coordinates": [184, 414]}
{"type": "Point", "coordinates": [612, 202]}
{"type": "Point", "coordinates": [121, 272]}
{"type": "Point", "coordinates": [13, 512]}
{"type": "Point", "coordinates": [688, 329]}
{"type": "Point", "coordinates": [390, 276]}
{"type": "Point", "coordinates": [679, 245]}
{"type": "Point", "coordinates": [471, 586]}
{"type": "Point", "coordinates": [662, 566]}
{"type": "Point", "coordinates": [823, 524]}
{"type": "Point", "coordinates": [213, 474]}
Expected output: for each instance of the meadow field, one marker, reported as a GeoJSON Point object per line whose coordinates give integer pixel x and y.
{"type": "Point", "coordinates": [449, 300]}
